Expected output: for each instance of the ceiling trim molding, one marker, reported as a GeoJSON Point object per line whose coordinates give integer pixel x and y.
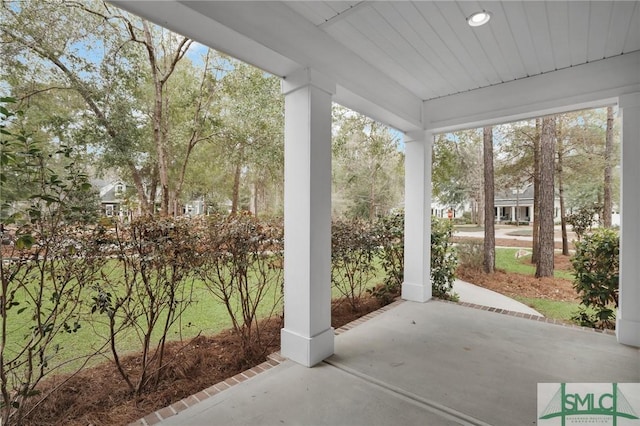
{"type": "Point", "coordinates": [590, 85]}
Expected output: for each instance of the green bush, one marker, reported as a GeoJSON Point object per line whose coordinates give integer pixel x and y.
{"type": "Point", "coordinates": [583, 219]}
{"type": "Point", "coordinates": [241, 265]}
{"type": "Point", "coordinates": [444, 260]}
{"type": "Point", "coordinates": [52, 260]}
{"type": "Point", "coordinates": [471, 254]}
{"type": "Point", "coordinates": [389, 232]}
{"type": "Point", "coordinates": [148, 293]}
{"type": "Point", "coordinates": [596, 264]}
{"type": "Point", "coordinates": [353, 248]}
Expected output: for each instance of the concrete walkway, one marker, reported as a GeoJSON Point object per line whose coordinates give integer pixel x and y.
{"type": "Point", "coordinates": [471, 293]}
{"type": "Point", "coordinates": [434, 363]}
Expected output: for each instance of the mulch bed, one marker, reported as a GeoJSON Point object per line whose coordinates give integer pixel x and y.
{"type": "Point", "coordinates": [99, 396]}
{"type": "Point", "coordinates": [512, 284]}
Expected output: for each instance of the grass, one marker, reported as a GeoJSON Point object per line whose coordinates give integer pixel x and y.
{"type": "Point", "coordinates": [521, 233]}
{"type": "Point", "coordinates": [506, 259]}
{"type": "Point", "coordinates": [206, 315]}
{"type": "Point", "coordinates": [551, 308]}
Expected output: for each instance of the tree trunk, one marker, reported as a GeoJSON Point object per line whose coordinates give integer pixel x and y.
{"type": "Point", "coordinates": [235, 195]}
{"type": "Point", "coordinates": [535, 247]}
{"type": "Point", "coordinates": [559, 170]}
{"type": "Point", "coordinates": [544, 266]}
{"type": "Point", "coordinates": [608, 152]}
{"type": "Point", "coordinates": [489, 263]}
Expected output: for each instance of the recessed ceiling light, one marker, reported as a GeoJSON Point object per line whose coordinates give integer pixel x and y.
{"type": "Point", "coordinates": [479, 18]}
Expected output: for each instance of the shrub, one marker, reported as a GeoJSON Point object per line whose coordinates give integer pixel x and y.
{"type": "Point", "coordinates": [353, 248]}
{"type": "Point", "coordinates": [443, 258]}
{"type": "Point", "coordinates": [583, 219]}
{"type": "Point", "coordinates": [471, 255]}
{"type": "Point", "coordinates": [389, 232]}
{"type": "Point", "coordinates": [45, 272]}
{"type": "Point", "coordinates": [596, 264]}
{"type": "Point", "coordinates": [148, 290]}
{"type": "Point", "coordinates": [241, 265]}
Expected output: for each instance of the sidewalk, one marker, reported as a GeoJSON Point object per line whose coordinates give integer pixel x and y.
{"type": "Point", "coordinates": [471, 293]}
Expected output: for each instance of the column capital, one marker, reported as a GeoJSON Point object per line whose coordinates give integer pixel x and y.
{"type": "Point", "coordinates": [418, 136]}
{"type": "Point", "coordinates": [305, 77]}
{"type": "Point", "coordinates": [629, 100]}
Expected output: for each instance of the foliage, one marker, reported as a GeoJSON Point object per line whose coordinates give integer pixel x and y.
{"type": "Point", "coordinates": [353, 248]}
{"type": "Point", "coordinates": [596, 264]}
{"type": "Point", "coordinates": [149, 293]}
{"type": "Point", "coordinates": [46, 268]}
{"type": "Point", "coordinates": [367, 166]}
{"type": "Point", "coordinates": [251, 139]}
{"type": "Point", "coordinates": [583, 219]}
{"type": "Point", "coordinates": [444, 260]}
{"type": "Point", "coordinates": [471, 254]}
{"type": "Point", "coordinates": [389, 232]}
{"type": "Point", "coordinates": [241, 265]}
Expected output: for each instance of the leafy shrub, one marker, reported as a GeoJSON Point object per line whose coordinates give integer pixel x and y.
{"type": "Point", "coordinates": [596, 265]}
{"type": "Point", "coordinates": [389, 232]}
{"type": "Point", "coordinates": [353, 247]}
{"type": "Point", "coordinates": [443, 258]}
{"type": "Point", "coordinates": [46, 269]}
{"type": "Point", "coordinates": [471, 254]}
{"type": "Point", "coordinates": [149, 290]}
{"type": "Point", "coordinates": [583, 219]}
{"type": "Point", "coordinates": [241, 265]}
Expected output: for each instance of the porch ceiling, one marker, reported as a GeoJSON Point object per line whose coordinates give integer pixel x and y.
{"type": "Point", "coordinates": [389, 57]}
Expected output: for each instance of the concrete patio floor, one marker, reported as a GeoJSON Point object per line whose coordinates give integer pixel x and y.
{"type": "Point", "coordinates": [436, 363]}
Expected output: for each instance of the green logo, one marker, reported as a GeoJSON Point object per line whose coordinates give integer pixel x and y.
{"type": "Point", "coordinates": [585, 405]}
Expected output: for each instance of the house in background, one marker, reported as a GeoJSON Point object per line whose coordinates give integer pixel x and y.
{"type": "Point", "coordinates": [112, 197]}
{"type": "Point", "coordinates": [517, 205]}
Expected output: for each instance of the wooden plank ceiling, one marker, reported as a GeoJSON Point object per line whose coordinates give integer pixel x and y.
{"type": "Point", "coordinates": [427, 46]}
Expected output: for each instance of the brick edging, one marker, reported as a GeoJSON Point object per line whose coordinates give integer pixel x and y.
{"type": "Point", "coordinates": [276, 359]}
{"type": "Point", "coordinates": [273, 360]}
{"type": "Point", "coordinates": [528, 316]}
{"type": "Point", "coordinates": [157, 416]}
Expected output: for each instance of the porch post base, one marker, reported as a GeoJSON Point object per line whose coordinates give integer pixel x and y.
{"type": "Point", "coordinates": [628, 332]}
{"type": "Point", "coordinates": [307, 351]}
{"type": "Point", "coordinates": [416, 292]}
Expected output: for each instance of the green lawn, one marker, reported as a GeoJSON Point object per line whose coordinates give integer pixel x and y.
{"type": "Point", "coordinates": [506, 259]}
{"type": "Point", "coordinates": [551, 308]}
{"type": "Point", "coordinates": [206, 315]}
{"type": "Point", "coordinates": [521, 233]}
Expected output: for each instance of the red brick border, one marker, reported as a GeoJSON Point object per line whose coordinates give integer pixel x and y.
{"type": "Point", "coordinates": [273, 360]}
{"type": "Point", "coordinates": [528, 316]}
{"type": "Point", "coordinates": [157, 416]}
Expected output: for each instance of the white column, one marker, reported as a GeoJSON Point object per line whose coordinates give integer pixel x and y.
{"type": "Point", "coordinates": [307, 336]}
{"type": "Point", "coordinates": [417, 217]}
{"type": "Point", "coordinates": [628, 317]}
{"type": "Point", "coordinates": [513, 213]}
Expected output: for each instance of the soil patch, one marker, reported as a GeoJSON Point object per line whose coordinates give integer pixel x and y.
{"type": "Point", "coordinates": [512, 284]}
{"type": "Point", "coordinates": [98, 395]}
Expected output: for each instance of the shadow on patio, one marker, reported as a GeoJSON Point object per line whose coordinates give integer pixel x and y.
{"type": "Point", "coordinates": [435, 363]}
